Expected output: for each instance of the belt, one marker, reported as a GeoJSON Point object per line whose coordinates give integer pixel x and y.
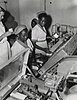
{"type": "Point", "coordinates": [41, 40]}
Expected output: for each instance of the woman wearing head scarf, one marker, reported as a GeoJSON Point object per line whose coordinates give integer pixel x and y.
{"type": "Point", "coordinates": [22, 45]}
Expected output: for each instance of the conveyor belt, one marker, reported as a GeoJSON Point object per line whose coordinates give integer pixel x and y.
{"type": "Point", "coordinates": [52, 61]}
{"type": "Point", "coordinates": [66, 50]}
{"type": "Point", "coordinates": [56, 46]}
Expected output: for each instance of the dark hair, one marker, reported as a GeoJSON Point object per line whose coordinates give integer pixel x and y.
{"type": "Point", "coordinates": [6, 16]}
{"type": "Point", "coordinates": [49, 21]}
{"type": "Point", "coordinates": [33, 22]}
{"type": "Point", "coordinates": [42, 15]}
{"type": "Point", "coordinates": [2, 9]}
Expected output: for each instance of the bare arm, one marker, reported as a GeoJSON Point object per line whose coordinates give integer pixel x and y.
{"type": "Point", "coordinates": [40, 48]}
{"type": "Point", "coordinates": [5, 35]}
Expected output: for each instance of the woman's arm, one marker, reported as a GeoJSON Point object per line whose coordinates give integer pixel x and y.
{"type": "Point", "coordinates": [5, 35]}
{"type": "Point", "coordinates": [40, 48]}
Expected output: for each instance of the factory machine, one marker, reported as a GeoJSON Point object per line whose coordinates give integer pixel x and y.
{"type": "Point", "coordinates": [50, 80]}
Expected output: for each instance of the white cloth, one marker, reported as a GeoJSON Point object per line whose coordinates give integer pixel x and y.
{"type": "Point", "coordinates": [30, 45]}
{"type": "Point", "coordinates": [17, 48]}
{"type": "Point", "coordinates": [71, 97]}
{"type": "Point", "coordinates": [2, 31]}
{"type": "Point", "coordinates": [5, 52]}
{"type": "Point", "coordinates": [39, 35]}
{"type": "Point", "coordinates": [73, 89]}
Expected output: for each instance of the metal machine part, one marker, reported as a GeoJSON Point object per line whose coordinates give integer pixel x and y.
{"type": "Point", "coordinates": [9, 74]}
{"type": "Point", "coordinates": [50, 81]}
{"type": "Point", "coordinates": [30, 91]}
{"type": "Point", "coordinates": [64, 32]}
{"type": "Point", "coordinates": [61, 32]}
{"type": "Point", "coordinates": [37, 89]}
{"type": "Point", "coordinates": [66, 50]}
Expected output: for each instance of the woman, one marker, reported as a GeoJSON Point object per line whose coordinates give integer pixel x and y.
{"type": "Point", "coordinates": [39, 35]}
{"type": "Point", "coordinates": [33, 24]}
{"type": "Point", "coordinates": [22, 38]}
{"type": "Point", "coordinates": [22, 44]}
{"type": "Point", "coordinates": [4, 45]}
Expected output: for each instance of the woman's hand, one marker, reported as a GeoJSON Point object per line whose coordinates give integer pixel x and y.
{"type": "Point", "coordinates": [47, 50]}
{"type": "Point", "coordinates": [7, 33]}
{"type": "Point", "coordinates": [48, 53]}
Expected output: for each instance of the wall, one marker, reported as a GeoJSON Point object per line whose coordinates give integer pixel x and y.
{"type": "Point", "coordinates": [28, 10]}
{"type": "Point", "coordinates": [13, 7]}
{"type": "Point", "coordinates": [24, 10]}
{"type": "Point", "coordinates": [62, 11]}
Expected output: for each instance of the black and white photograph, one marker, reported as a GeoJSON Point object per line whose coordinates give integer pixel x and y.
{"type": "Point", "coordinates": [38, 49]}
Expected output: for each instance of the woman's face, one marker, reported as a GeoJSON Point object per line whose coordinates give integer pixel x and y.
{"type": "Point", "coordinates": [23, 36]}
{"type": "Point", "coordinates": [42, 21]}
{"type": "Point", "coordinates": [1, 14]}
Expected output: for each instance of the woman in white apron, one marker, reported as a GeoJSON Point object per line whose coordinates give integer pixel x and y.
{"type": "Point", "coordinates": [39, 35]}
{"type": "Point", "coordinates": [4, 45]}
